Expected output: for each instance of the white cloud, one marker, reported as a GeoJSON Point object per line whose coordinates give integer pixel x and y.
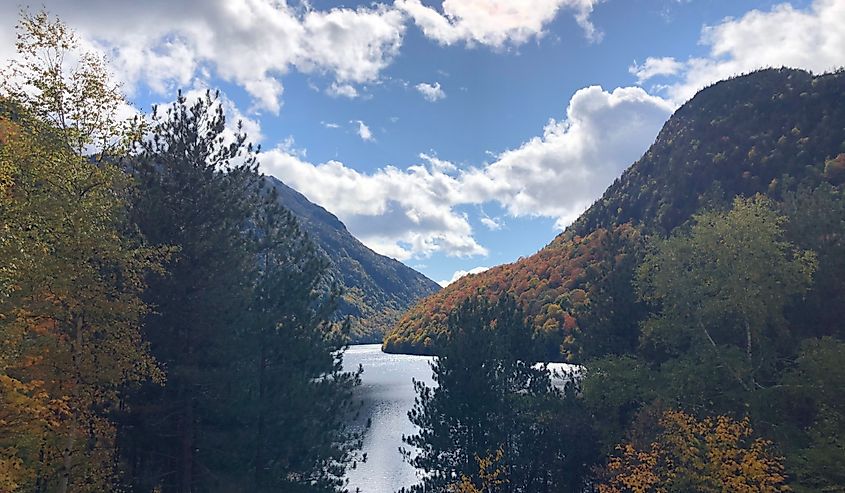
{"type": "Point", "coordinates": [364, 131]}
{"type": "Point", "coordinates": [345, 90]}
{"type": "Point", "coordinates": [431, 92]}
{"type": "Point", "coordinates": [252, 43]}
{"type": "Point", "coordinates": [437, 163]}
{"type": "Point", "coordinates": [461, 273]}
{"type": "Point", "coordinates": [560, 173]}
{"type": "Point", "coordinates": [811, 39]}
{"type": "Point", "coordinates": [413, 206]}
{"type": "Point", "coordinates": [654, 67]}
{"type": "Point", "coordinates": [495, 23]}
{"type": "Point", "coordinates": [490, 223]}
{"type": "Point", "coordinates": [330, 124]}
{"type": "Point", "coordinates": [555, 175]}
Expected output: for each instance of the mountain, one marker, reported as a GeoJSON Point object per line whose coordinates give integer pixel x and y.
{"type": "Point", "coordinates": [770, 132]}
{"type": "Point", "coordinates": [376, 289]}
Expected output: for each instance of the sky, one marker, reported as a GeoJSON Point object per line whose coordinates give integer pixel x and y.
{"type": "Point", "coordinates": [452, 135]}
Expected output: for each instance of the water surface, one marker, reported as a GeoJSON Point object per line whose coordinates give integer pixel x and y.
{"type": "Point", "coordinates": [388, 395]}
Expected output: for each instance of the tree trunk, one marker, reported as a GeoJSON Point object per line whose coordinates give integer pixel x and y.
{"type": "Point", "coordinates": [187, 445]}
{"type": "Point", "coordinates": [64, 480]}
{"type": "Point", "coordinates": [748, 354]}
{"type": "Point", "coordinates": [186, 425]}
{"type": "Point", "coordinates": [259, 432]}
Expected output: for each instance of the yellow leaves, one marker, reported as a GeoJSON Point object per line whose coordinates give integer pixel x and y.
{"type": "Point", "coordinates": [491, 475]}
{"type": "Point", "coordinates": [71, 273]}
{"type": "Point", "coordinates": [24, 409]}
{"type": "Point", "coordinates": [710, 455]}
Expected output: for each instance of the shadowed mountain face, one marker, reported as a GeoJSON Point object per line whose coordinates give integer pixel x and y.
{"type": "Point", "coordinates": [768, 132]}
{"type": "Point", "coordinates": [377, 289]}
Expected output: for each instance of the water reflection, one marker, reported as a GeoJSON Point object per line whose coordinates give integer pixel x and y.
{"type": "Point", "coordinates": [388, 395]}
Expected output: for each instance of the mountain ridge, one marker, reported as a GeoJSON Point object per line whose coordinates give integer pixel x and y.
{"type": "Point", "coordinates": [376, 289]}
{"type": "Point", "coordinates": [765, 132]}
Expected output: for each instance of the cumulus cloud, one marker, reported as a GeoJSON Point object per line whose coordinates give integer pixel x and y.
{"type": "Point", "coordinates": [431, 92]}
{"type": "Point", "coordinates": [252, 43]}
{"type": "Point", "coordinates": [414, 206]}
{"type": "Point", "coordinates": [556, 175]}
{"type": "Point", "coordinates": [560, 173]}
{"type": "Point", "coordinates": [811, 39]}
{"type": "Point", "coordinates": [461, 273]}
{"type": "Point", "coordinates": [495, 23]}
{"type": "Point", "coordinates": [364, 131]}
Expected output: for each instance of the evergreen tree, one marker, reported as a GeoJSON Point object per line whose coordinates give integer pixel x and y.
{"type": "Point", "coordinates": [295, 399]}
{"type": "Point", "coordinates": [609, 322]}
{"type": "Point", "coordinates": [493, 413]}
{"type": "Point", "coordinates": [193, 193]}
{"type": "Point", "coordinates": [256, 399]}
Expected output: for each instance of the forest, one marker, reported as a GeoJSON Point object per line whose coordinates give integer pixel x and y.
{"type": "Point", "coordinates": [702, 298]}
{"type": "Point", "coordinates": [168, 326]}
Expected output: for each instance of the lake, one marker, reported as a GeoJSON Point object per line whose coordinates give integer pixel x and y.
{"type": "Point", "coordinates": [388, 395]}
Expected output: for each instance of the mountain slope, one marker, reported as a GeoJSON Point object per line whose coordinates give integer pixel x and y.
{"type": "Point", "coordinates": [377, 289]}
{"type": "Point", "coordinates": [766, 132]}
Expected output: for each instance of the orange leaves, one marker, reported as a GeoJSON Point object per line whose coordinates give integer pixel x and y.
{"type": "Point", "coordinates": [558, 275]}
{"type": "Point", "coordinates": [710, 455]}
{"type": "Point", "coordinates": [834, 169]}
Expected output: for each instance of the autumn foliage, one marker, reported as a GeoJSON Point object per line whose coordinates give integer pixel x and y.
{"type": "Point", "coordinates": [549, 285]}
{"type": "Point", "coordinates": [711, 455]}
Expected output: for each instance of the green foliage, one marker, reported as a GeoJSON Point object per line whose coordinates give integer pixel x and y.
{"type": "Point", "coordinates": [816, 222]}
{"type": "Point", "coordinates": [72, 271]}
{"type": "Point", "coordinates": [718, 343]}
{"type": "Point", "coordinates": [70, 89]}
{"type": "Point", "coordinates": [812, 400]}
{"type": "Point", "coordinates": [726, 283]}
{"type": "Point", "coordinates": [491, 402]}
{"type": "Point", "coordinates": [256, 397]}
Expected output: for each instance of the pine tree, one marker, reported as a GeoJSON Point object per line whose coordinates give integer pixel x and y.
{"type": "Point", "coordinates": [256, 398]}
{"type": "Point", "coordinates": [493, 413]}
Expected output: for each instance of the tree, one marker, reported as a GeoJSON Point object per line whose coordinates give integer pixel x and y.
{"type": "Point", "coordinates": [70, 89]}
{"type": "Point", "coordinates": [810, 401]}
{"type": "Point", "coordinates": [489, 402]}
{"type": "Point", "coordinates": [194, 192]}
{"type": "Point", "coordinates": [609, 322]}
{"type": "Point", "coordinates": [725, 285]}
{"type": "Point", "coordinates": [73, 271]}
{"type": "Point", "coordinates": [256, 398]}
{"type": "Point", "coordinates": [295, 398]}
{"type": "Point", "coordinates": [816, 221]}
{"type": "Point", "coordinates": [712, 455]}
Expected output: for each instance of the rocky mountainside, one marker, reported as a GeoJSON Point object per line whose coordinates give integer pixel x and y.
{"type": "Point", "coordinates": [377, 289]}
{"type": "Point", "coordinates": [769, 132]}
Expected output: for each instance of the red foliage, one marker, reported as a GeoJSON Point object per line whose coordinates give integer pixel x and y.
{"type": "Point", "coordinates": [556, 275]}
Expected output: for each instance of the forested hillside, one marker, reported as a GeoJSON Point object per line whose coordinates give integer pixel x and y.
{"type": "Point", "coordinates": [773, 132]}
{"type": "Point", "coordinates": [376, 289]}
{"type": "Point", "coordinates": [703, 297]}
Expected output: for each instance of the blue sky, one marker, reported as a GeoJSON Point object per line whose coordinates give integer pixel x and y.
{"type": "Point", "coordinates": [451, 135]}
